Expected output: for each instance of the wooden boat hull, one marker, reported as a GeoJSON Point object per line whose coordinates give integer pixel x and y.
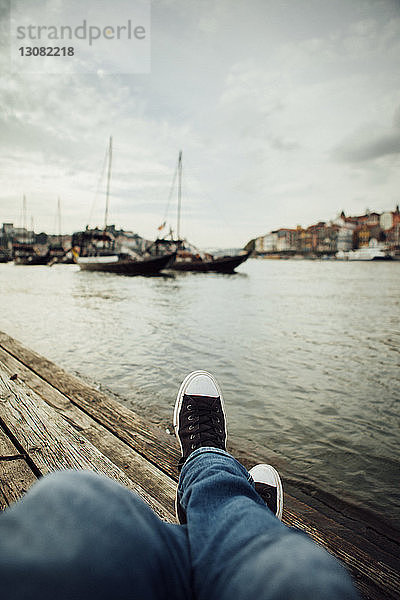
{"type": "Point", "coordinates": [225, 264]}
{"type": "Point", "coordinates": [148, 266]}
{"type": "Point", "coordinates": [31, 260]}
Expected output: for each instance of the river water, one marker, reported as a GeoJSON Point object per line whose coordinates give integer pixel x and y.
{"type": "Point", "coordinates": [307, 354]}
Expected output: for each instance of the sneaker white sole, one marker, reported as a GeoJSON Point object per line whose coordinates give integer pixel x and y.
{"type": "Point", "coordinates": [264, 474]}
{"type": "Point", "coordinates": [178, 404]}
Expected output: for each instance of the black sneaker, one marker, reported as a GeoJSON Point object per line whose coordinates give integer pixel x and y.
{"type": "Point", "coordinates": [199, 418]}
{"type": "Point", "coordinates": [268, 484]}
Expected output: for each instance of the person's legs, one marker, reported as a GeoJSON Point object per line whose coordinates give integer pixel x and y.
{"type": "Point", "coordinates": [239, 549]}
{"type": "Point", "coordinates": [80, 535]}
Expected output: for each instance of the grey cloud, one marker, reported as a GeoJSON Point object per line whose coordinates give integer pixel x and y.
{"type": "Point", "coordinates": [378, 147]}
{"type": "Point", "coordinates": [396, 117]}
{"type": "Point", "coordinates": [363, 145]}
{"type": "Point", "coordinates": [283, 144]}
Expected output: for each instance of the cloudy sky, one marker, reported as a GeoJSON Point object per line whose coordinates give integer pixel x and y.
{"type": "Point", "coordinates": [287, 112]}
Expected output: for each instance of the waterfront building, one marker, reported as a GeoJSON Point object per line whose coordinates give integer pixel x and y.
{"type": "Point", "coordinates": [386, 221]}
{"type": "Point", "coordinates": [366, 232]}
{"type": "Point", "coordinates": [306, 241]}
{"type": "Point", "coordinates": [393, 237]}
{"type": "Point", "coordinates": [271, 242]}
{"type": "Point", "coordinates": [361, 236]}
{"type": "Point", "coordinates": [259, 244]}
{"type": "Point", "coordinates": [327, 243]}
{"type": "Point", "coordinates": [373, 218]}
{"type": "Point", "coordinates": [286, 240]}
{"type": "Point", "coordinates": [266, 243]}
{"type": "Point", "coordinates": [346, 227]}
{"type": "Point", "coordinates": [345, 237]}
{"type": "Point", "coordinates": [392, 232]}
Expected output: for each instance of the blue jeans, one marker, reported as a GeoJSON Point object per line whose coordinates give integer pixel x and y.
{"type": "Point", "coordinates": [80, 535]}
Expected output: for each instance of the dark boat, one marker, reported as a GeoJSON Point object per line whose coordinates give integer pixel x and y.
{"type": "Point", "coordinates": [96, 250]}
{"type": "Point", "coordinates": [25, 254]}
{"type": "Point", "coordinates": [220, 264]}
{"type": "Point", "coordinates": [197, 261]}
{"type": "Point", "coordinates": [149, 266]}
{"type": "Point", "coordinates": [189, 258]}
{"type": "Point", "coordinates": [4, 255]}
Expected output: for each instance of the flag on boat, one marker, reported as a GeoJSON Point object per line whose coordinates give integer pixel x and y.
{"type": "Point", "coordinates": [161, 226]}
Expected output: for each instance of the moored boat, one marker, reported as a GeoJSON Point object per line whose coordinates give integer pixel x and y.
{"type": "Point", "coordinates": [373, 252]}
{"type": "Point", "coordinates": [189, 258]}
{"type": "Point", "coordinates": [96, 250]}
{"type": "Point", "coordinates": [220, 264]}
{"type": "Point", "coordinates": [4, 255]}
{"type": "Point", "coordinates": [26, 254]}
{"type": "Point", "coordinates": [125, 266]}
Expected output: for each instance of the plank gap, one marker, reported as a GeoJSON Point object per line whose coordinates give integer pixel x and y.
{"type": "Point", "coordinates": [20, 449]}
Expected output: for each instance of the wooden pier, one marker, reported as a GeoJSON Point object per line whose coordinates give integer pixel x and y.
{"type": "Point", "coordinates": [51, 420]}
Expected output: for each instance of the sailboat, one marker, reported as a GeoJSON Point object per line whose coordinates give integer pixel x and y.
{"type": "Point", "coordinates": [96, 249]}
{"type": "Point", "coordinates": [189, 258]}
{"type": "Point", "coordinates": [24, 252]}
{"type": "Point", "coordinates": [57, 253]}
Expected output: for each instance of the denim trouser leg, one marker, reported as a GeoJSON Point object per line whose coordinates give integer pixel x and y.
{"type": "Point", "coordinates": [240, 550]}
{"type": "Point", "coordinates": [80, 535]}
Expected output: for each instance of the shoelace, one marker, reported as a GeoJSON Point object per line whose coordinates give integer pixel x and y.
{"type": "Point", "coordinates": [210, 429]}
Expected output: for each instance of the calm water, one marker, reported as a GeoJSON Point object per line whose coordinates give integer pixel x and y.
{"type": "Point", "coordinates": [307, 354]}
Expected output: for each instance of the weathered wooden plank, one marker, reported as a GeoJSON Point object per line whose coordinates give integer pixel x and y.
{"type": "Point", "coordinates": [15, 479]}
{"type": "Point", "coordinates": [7, 448]}
{"type": "Point", "coordinates": [369, 574]}
{"type": "Point", "coordinates": [15, 475]}
{"type": "Point", "coordinates": [144, 437]}
{"type": "Point", "coordinates": [160, 486]}
{"type": "Point", "coordinates": [51, 443]}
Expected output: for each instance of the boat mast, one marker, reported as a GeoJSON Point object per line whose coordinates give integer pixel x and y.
{"type": "Point", "coordinates": [178, 230]}
{"type": "Point", "coordinates": [59, 221]}
{"type": "Point", "coordinates": [108, 183]}
{"type": "Point", "coordinates": [24, 225]}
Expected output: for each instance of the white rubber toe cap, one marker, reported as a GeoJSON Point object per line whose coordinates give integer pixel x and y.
{"type": "Point", "coordinates": [201, 384]}
{"type": "Point", "coordinates": [264, 474]}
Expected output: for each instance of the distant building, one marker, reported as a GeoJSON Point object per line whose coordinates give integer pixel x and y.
{"type": "Point", "coordinates": [6, 236]}
{"type": "Point", "coordinates": [7, 229]}
{"type": "Point", "coordinates": [266, 243]}
{"type": "Point", "coordinates": [259, 244]}
{"type": "Point", "coordinates": [342, 234]}
{"type": "Point", "coordinates": [22, 235]}
{"type": "Point", "coordinates": [304, 241]}
{"type": "Point", "coordinates": [386, 221]}
{"type": "Point", "coordinates": [286, 240]}
{"type": "Point", "coordinates": [271, 242]}
{"type": "Point", "coordinates": [393, 233]}
{"type": "Point", "coordinates": [345, 237]}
